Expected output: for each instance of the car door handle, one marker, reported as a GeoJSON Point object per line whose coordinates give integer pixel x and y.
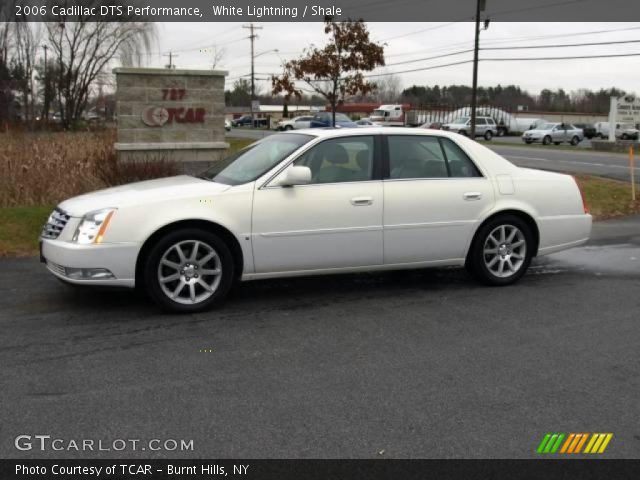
{"type": "Point", "coordinates": [472, 196]}
{"type": "Point", "coordinates": [361, 201]}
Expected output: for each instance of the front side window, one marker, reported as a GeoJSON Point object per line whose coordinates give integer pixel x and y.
{"type": "Point", "coordinates": [416, 157]}
{"type": "Point", "coordinates": [257, 159]}
{"type": "Point", "coordinates": [348, 159]}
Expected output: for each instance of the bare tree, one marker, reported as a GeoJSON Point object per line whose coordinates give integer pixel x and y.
{"type": "Point", "coordinates": [27, 41]}
{"type": "Point", "coordinates": [389, 89]}
{"type": "Point", "coordinates": [217, 54]}
{"type": "Point", "coordinates": [84, 48]}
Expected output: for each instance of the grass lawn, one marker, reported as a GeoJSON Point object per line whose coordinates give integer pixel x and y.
{"type": "Point", "coordinates": [236, 143]}
{"type": "Point", "coordinates": [20, 226]}
{"type": "Point", "coordinates": [608, 198]}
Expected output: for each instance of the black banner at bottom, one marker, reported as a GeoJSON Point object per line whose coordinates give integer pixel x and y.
{"type": "Point", "coordinates": [543, 469]}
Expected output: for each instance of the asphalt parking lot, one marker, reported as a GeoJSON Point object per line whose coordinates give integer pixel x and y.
{"type": "Point", "coordinates": [416, 364]}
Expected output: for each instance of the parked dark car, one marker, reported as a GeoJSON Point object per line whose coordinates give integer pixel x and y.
{"type": "Point", "coordinates": [246, 120]}
{"type": "Point", "coordinates": [324, 119]}
{"type": "Point", "coordinates": [588, 129]}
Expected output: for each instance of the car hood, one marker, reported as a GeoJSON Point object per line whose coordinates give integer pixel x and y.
{"type": "Point", "coordinates": [454, 125]}
{"type": "Point", "coordinates": [537, 132]}
{"type": "Point", "coordinates": [138, 193]}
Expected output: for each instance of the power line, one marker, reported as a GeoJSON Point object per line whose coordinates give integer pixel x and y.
{"type": "Point", "coordinates": [417, 31]}
{"type": "Point", "coordinates": [419, 69]}
{"type": "Point", "coordinates": [573, 57]}
{"type": "Point", "coordinates": [522, 47]}
{"type": "Point", "coordinates": [430, 58]}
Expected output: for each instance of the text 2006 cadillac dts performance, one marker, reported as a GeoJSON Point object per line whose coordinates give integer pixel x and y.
{"type": "Point", "coordinates": [316, 202]}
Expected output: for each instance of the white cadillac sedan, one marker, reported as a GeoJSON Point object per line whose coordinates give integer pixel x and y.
{"type": "Point", "coordinates": [316, 202]}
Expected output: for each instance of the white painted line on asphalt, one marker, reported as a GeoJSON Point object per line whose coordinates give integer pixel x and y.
{"type": "Point", "coordinates": [573, 162]}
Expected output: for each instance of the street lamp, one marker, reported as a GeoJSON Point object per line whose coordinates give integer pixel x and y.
{"type": "Point", "coordinates": [253, 80]}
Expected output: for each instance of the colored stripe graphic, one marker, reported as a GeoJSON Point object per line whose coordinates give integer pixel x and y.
{"type": "Point", "coordinates": [598, 442]}
{"type": "Point", "coordinates": [572, 443]}
{"type": "Point", "coordinates": [550, 443]}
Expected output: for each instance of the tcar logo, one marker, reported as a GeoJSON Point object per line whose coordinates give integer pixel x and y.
{"type": "Point", "coordinates": [155, 116]}
{"type": "Point", "coordinates": [158, 116]}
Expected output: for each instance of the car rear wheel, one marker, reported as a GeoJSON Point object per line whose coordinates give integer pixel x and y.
{"type": "Point", "coordinates": [488, 135]}
{"type": "Point", "coordinates": [546, 140]}
{"type": "Point", "coordinates": [501, 251]}
{"type": "Point", "coordinates": [188, 271]}
{"type": "Point", "coordinates": [575, 141]}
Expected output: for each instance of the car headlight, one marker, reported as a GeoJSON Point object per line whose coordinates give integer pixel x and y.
{"type": "Point", "coordinates": [93, 226]}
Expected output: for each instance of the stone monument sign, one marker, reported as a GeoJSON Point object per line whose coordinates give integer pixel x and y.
{"type": "Point", "coordinates": [174, 115]}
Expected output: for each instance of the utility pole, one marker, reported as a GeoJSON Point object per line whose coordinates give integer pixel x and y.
{"type": "Point", "coordinates": [45, 108]}
{"type": "Point", "coordinates": [480, 4]}
{"type": "Point", "coordinates": [171, 66]}
{"type": "Point", "coordinates": [252, 36]}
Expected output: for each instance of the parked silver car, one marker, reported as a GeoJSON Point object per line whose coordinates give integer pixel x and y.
{"type": "Point", "coordinates": [556, 133]}
{"type": "Point", "coordinates": [485, 127]}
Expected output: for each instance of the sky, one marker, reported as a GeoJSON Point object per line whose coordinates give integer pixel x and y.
{"type": "Point", "coordinates": [194, 44]}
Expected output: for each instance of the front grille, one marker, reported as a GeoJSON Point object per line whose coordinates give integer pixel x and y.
{"type": "Point", "coordinates": [55, 224]}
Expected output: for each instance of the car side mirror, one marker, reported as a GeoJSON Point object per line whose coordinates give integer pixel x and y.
{"type": "Point", "coordinates": [296, 175]}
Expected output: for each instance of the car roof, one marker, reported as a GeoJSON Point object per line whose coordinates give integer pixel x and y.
{"type": "Point", "coordinates": [330, 132]}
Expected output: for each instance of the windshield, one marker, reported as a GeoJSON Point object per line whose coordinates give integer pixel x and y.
{"type": "Point", "coordinates": [257, 159]}
{"type": "Point", "coordinates": [461, 120]}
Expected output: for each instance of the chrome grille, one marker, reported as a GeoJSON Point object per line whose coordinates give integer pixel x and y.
{"type": "Point", "coordinates": [55, 224]}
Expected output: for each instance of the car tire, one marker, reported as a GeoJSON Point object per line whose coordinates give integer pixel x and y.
{"type": "Point", "coordinates": [488, 135]}
{"type": "Point", "coordinates": [501, 251]}
{"type": "Point", "coordinates": [463, 132]}
{"type": "Point", "coordinates": [288, 127]}
{"type": "Point", "coordinates": [546, 140]}
{"type": "Point", "coordinates": [624, 137]}
{"type": "Point", "coordinates": [176, 282]}
{"type": "Point", "coordinates": [575, 140]}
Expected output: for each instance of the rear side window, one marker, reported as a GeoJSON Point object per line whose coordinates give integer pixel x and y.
{"type": "Point", "coordinates": [481, 121]}
{"type": "Point", "coordinates": [416, 157]}
{"type": "Point", "coordinates": [460, 165]}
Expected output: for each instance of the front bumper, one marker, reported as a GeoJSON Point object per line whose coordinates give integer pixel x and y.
{"type": "Point", "coordinates": [531, 139]}
{"type": "Point", "coordinates": [74, 263]}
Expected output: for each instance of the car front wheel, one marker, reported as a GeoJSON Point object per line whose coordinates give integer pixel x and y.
{"type": "Point", "coordinates": [188, 271]}
{"type": "Point", "coordinates": [288, 127]}
{"type": "Point", "coordinates": [546, 140]}
{"type": "Point", "coordinates": [501, 251]}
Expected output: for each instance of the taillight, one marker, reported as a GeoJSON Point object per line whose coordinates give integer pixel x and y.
{"type": "Point", "coordinates": [585, 207]}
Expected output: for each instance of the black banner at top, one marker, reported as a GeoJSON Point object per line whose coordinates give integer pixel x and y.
{"type": "Point", "coordinates": [316, 10]}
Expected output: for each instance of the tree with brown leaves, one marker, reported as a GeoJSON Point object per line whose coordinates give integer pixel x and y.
{"type": "Point", "coordinates": [334, 71]}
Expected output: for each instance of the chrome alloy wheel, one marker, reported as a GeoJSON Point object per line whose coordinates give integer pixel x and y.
{"type": "Point", "coordinates": [189, 272]}
{"type": "Point", "coordinates": [504, 251]}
